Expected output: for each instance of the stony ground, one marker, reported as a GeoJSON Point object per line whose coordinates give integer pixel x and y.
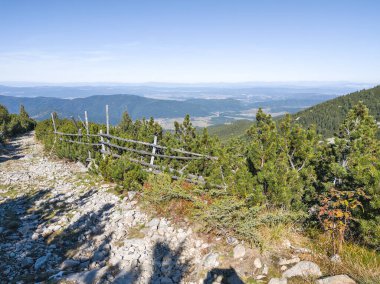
{"type": "Point", "coordinates": [60, 224]}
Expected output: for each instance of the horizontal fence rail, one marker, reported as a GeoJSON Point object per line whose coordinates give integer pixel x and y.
{"type": "Point", "coordinates": [158, 146]}
{"type": "Point", "coordinates": [142, 152]}
{"type": "Point", "coordinates": [150, 167]}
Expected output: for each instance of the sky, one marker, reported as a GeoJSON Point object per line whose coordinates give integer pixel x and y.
{"type": "Point", "coordinates": [189, 41]}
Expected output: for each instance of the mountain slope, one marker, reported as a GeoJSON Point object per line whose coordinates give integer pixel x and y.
{"type": "Point", "coordinates": [138, 107]}
{"type": "Point", "coordinates": [329, 115]}
{"type": "Point", "coordinates": [234, 129]}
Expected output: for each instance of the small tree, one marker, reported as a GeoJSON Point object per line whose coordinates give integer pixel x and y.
{"type": "Point", "coordinates": [350, 176]}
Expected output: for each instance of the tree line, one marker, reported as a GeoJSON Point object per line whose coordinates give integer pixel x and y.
{"type": "Point", "coordinates": [14, 124]}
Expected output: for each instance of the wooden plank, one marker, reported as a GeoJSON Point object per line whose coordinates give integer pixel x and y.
{"type": "Point", "coordinates": [142, 152]}
{"type": "Point", "coordinates": [79, 142]}
{"type": "Point", "coordinates": [75, 134]}
{"type": "Point", "coordinates": [160, 147]}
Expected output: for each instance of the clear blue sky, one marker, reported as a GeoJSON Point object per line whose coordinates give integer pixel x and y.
{"type": "Point", "coordinates": [189, 41]}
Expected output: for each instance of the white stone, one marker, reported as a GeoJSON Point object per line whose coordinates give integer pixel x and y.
{"type": "Point", "coordinates": [239, 251]}
{"type": "Point", "coordinates": [286, 243]}
{"type": "Point", "coordinates": [337, 279]}
{"type": "Point", "coordinates": [278, 281]}
{"type": "Point", "coordinates": [257, 263]}
{"type": "Point", "coordinates": [265, 269]}
{"type": "Point", "coordinates": [154, 223]}
{"type": "Point", "coordinates": [303, 269]}
{"type": "Point", "coordinates": [131, 195]}
{"type": "Point", "coordinates": [211, 260]}
{"type": "Point", "coordinates": [336, 258]}
{"type": "Point", "coordinates": [289, 261]}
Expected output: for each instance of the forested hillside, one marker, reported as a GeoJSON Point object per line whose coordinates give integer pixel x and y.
{"type": "Point", "coordinates": [329, 115]}
{"type": "Point", "coordinates": [234, 129]}
{"type": "Point", "coordinates": [14, 124]}
{"type": "Point", "coordinates": [137, 107]}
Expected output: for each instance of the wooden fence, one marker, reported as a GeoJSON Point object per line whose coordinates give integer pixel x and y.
{"type": "Point", "coordinates": [106, 147]}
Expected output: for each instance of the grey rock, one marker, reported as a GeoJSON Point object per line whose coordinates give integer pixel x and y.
{"type": "Point", "coordinates": [336, 258]}
{"type": "Point", "coordinates": [239, 251]}
{"type": "Point", "coordinates": [265, 269]}
{"type": "Point", "coordinates": [289, 261]}
{"type": "Point", "coordinates": [26, 262]}
{"type": "Point", "coordinates": [300, 250]}
{"type": "Point", "coordinates": [303, 269]}
{"type": "Point", "coordinates": [231, 241]}
{"type": "Point", "coordinates": [154, 223]}
{"type": "Point", "coordinates": [278, 281]}
{"type": "Point", "coordinates": [337, 279]}
{"type": "Point", "coordinates": [69, 263]}
{"type": "Point", "coordinates": [211, 260]}
{"type": "Point", "coordinates": [40, 262]}
{"type": "Point", "coordinates": [87, 277]}
{"type": "Point", "coordinates": [131, 194]}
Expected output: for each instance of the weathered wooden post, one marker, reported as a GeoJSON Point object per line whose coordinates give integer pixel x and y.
{"type": "Point", "coordinates": [153, 151]}
{"type": "Point", "coordinates": [52, 118]}
{"type": "Point", "coordinates": [86, 120]}
{"type": "Point", "coordinates": [88, 133]}
{"type": "Point", "coordinates": [108, 120]}
{"type": "Point", "coordinates": [102, 142]}
{"type": "Point", "coordinates": [80, 134]}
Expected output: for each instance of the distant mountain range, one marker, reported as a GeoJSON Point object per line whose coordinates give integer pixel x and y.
{"type": "Point", "coordinates": [138, 107]}
{"type": "Point", "coordinates": [210, 105]}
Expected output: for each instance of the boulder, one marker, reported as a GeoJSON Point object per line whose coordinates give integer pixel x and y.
{"type": "Point", "coordinates": [337, 279]}
{"type": "Point", "coordinates": [239, 251]}
{"type": "Point", "coordinates": [303, 269]}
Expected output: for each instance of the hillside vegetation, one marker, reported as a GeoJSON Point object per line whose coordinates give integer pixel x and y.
{"type": "Point", "coordinates": [14, 124]}
{"type": "Point", "coordinates": [329, 115]}
{"type": "Point", "coordinates": [281, 174]}
{"type": "Point", "coordinates": [232, 130]}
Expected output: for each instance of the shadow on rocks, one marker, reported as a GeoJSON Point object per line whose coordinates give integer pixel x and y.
{"type": "Point", "coordinates": [225, 276]}
{"type": "Point", "coordinates": [168, 267]}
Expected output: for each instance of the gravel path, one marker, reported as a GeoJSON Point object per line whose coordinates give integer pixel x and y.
{"type": "Point", "coordinates": [59, 223]}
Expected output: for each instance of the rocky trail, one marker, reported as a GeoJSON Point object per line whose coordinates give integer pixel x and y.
{"type": "Point", "coordinates": [60, 224]}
